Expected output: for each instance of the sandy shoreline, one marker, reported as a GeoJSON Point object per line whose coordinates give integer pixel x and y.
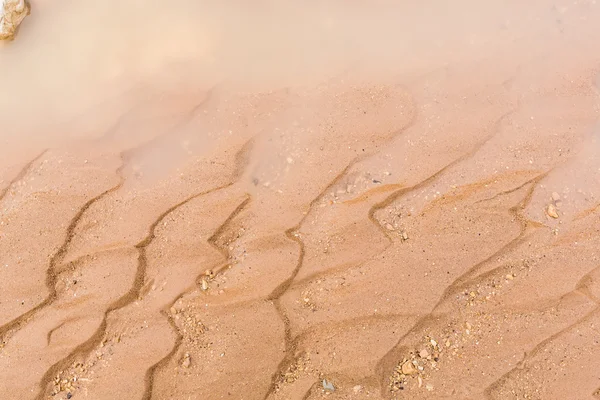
{"type": "Point", "coordinates": [377, 202]}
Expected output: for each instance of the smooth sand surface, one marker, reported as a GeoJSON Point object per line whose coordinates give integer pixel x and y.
{"type": "Point", "coordinates": [301, 200]}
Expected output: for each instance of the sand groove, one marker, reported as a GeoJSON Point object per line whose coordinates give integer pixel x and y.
{"type": "Point", "coordinates": [293, 235]}
{"type": "Point", "coordinates": [448, 291]}
{"type": "Point", "coordinates": [220, 268]}
{"type": "Point", "coordinates": [22, 173]}
{"type": "Point", "coordinates": [83, 349]}
{"type": "Point", "coordinates": [290, 343]}
{"type": "Point", "coordinates": [388, 358]}
{"type": "Point", "coordinates": [581, 288]}
{"type": "Point", "coordinates": [275, 296]}
{"type": "Point", "coordinates": [7, 330]}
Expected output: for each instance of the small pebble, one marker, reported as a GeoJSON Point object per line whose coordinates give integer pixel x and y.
{"type": "Point", "coordinates": [551, 211]}
{"type": "Point", "coordinates": [328, 386]}
{"type": "Point", "coordinates": [408, 368]}
{"type": "Point", "coordinates": [186, 361]}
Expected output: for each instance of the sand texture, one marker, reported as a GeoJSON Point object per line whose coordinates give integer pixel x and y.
{"type": "Point", "coordinates": [301, 200]}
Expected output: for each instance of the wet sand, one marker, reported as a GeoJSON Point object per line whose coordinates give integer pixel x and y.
{"type": "Point", "coordinates": [301, 201]}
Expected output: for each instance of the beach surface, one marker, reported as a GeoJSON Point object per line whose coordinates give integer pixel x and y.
{"type": "Point", "coordinates": [301, 200]}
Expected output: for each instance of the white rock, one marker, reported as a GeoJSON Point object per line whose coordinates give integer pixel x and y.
{"type": "Point", "coordinates": [186, 361]}
{"type": "Point", "coordinates": [12, 13]}
{"type": "Point", "coordinates": [328, 386]}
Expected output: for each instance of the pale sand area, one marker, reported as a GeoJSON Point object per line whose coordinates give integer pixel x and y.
{"type": "Point", "coordinates": [239, 200]}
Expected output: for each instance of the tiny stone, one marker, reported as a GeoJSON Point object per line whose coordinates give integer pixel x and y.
{"type": "Point", "coordinates": [429, 387]}
{"type": "Point", "coordinates": [328, 386]}
{"type": "Point", "coordinates": [423, 353]}
{"type": "Point", "coordinates": [389, 227]}
{"type": "Point", "coordinates": [186, 361]}
{"type": "Point", "coordinates": [408, 368]}
{"type": "Point", "coordinates": [420, 381]}
{"type": "Point", "coordinates": [551, 211]}
{"type": "Point", "coordinates": [555, 196]}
